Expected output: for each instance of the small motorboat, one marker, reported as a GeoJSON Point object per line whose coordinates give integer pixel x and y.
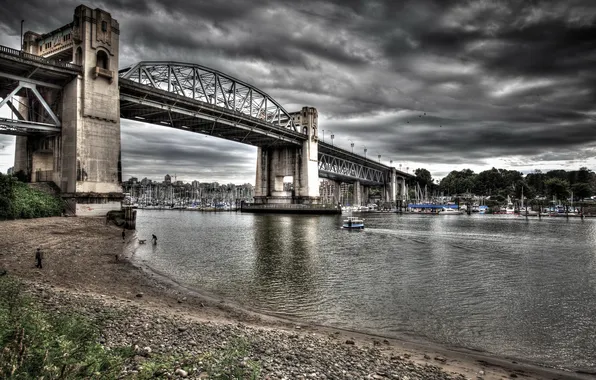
{"type": "Point", "coordinates": [450, 211]}
{"type": "Point", "coordinates": [353, 223]}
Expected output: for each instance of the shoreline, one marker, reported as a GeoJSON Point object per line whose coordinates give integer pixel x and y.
{"type": "Point", "coordinates": [80, 257]}
{"type": "Point", "coordinates": [419, 351]}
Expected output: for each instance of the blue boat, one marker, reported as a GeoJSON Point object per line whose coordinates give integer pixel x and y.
{"type": "Point", "coordinates": [353, 223]}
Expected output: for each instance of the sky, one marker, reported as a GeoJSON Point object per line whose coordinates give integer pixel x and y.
{"type": "Point", "coordinates": [442, 85]}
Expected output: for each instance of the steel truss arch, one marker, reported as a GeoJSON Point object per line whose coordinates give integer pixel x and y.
{"type": "Point", "coordinates": [210, 86]}
{"type": "Point", "coordinates": [340, 167]}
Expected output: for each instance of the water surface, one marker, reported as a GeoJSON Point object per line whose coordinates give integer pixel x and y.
{"type": "Point", "coordinates": [502, 284]}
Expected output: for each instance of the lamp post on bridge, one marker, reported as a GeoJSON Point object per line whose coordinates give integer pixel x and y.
{"type": "Point", "coordinates": [323, 135]}
{"type": "Point", "coordinates": [378, 155]}
{"type": "Point", "coordinates": [364, 151]}
{"type": "Point", "coordinates": [352, 145]}
{"type": "Point", "coordinates": [22, 21]}
{"type": "Point", "coordinates": [332, 136]}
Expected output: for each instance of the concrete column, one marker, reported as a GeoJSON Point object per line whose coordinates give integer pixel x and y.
{"type": "Point", "coordinates": [336, 192]}
{"type": "Point", "coordinates": [262, 178]}
{"type": "Point", "coordinates": [393, 187]}
{"type": "Point", "coordinates": [403, 189]}
{"type": "Point", "coordinates": [308, 177]}
{"type": "Point", "coordinates": [357, 194]}
{"type": "Point", "coordinates": [91, 171]}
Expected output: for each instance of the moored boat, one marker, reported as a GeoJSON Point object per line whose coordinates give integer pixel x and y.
{"type": "Point", "coordinates": [450, 211]}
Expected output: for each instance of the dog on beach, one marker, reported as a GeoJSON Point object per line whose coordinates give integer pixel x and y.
{"type": "Point", "coordinates": [142, 241]}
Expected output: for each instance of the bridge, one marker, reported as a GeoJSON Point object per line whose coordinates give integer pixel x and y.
{"type": "Point", "coordinates": [71, 97]}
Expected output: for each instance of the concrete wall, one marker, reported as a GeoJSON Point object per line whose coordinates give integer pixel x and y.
{"type": "Point", "coordinates": [96, 209]}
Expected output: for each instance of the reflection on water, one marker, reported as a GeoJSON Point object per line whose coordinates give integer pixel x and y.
{"type": "Point", "coordinates": [506, 285]}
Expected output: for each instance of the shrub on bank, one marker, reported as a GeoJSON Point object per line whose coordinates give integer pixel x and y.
{"type": "Point", "coordinates": [17, 200]}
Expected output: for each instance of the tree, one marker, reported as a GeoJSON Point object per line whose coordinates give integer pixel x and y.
{"type": "Point", "coordinates": [529, 193]}
{"type": "Point", "coordinates": [423, 177]}
{"type": "Point", "coordinates": [581, 190]}
{"type": "Point", "coordinates": [557, 187]}
{"type": "Point", "coordinates": [584, 175]}
{"type": "Point", "coordinates": [458, 182]}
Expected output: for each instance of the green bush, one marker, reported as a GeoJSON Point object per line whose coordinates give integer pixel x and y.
{"type": "Point", "coordinates": [39, 344]}
{"type": "Point", "coordinates": [17, 200]}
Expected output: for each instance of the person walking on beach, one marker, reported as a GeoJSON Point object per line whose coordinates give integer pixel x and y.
{"type": "Point", "coordinates": [123, 233]}
{"type": "Point", "coordinates": [38, 258]}
{"type": "Point", "coordinates": [154, 238]}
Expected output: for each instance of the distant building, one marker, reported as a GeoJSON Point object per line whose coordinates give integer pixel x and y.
{"type": "Point", "coordinates": [167, 179]}
{"type": "Point", "coordinates": [10, 171]}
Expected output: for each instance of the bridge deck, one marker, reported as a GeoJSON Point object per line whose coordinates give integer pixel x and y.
{"type": "Point", "coordinates": [14, 63]}
{"type": "Point", "coordinates": [151, 105]}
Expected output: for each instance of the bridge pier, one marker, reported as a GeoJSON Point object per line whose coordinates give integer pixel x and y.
{"type": "Point", "coordinates": [357, 194]}
{"type": "Point", "coordinates": [84, 159]}
{"type": "Point", "coordinates": [300, 163]}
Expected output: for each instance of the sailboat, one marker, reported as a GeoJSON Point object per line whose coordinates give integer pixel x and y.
{"type": "Point", "coordinates": [524, 210]}
{"type": "Point", "coordinates": [509, 209]}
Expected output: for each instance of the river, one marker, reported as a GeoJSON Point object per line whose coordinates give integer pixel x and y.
{"type": "Point", "coordinates": [506, 285]}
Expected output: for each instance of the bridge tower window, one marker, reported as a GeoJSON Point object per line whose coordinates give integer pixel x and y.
{"type": "Point", "coordinates": [104, 26]}
{"type": "Point", "coordinates": [102, 60]}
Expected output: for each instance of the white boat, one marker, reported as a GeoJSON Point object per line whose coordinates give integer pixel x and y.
{"type": "Point", "coordinates": [353, 223]}
{"type": "Point", "coordinates": [510, 209]}
{"type": "Point", "coordinates": [450, 211]}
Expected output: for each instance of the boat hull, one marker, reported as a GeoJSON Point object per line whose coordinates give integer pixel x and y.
{"type": "Point", "coordinates": [353, 227]}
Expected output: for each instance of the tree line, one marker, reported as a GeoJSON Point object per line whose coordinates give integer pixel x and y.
{"type": "Point", "coordinates": [503, 183]}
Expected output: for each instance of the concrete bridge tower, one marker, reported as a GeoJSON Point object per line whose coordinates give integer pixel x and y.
{"type": "Point", "coordinates": [301, 163]}
{"type": "Point", "coordinates": [84, 159]}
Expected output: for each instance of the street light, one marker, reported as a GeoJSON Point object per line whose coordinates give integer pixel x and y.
{"type": "Point", "coordinates": [378, 155]}
{"type": "Point", "coordinates": [390, 162]}
{"type": "Point", "coordinates": [323, 135]}
{"type": "Point", "coordinates": [332, 136]}
{"type": "Point", "coordinates": [22, 21]}
{"type": "Point", "coordinates": [364, 151]}
{"type": "Point", "coordinates": [352, 145]}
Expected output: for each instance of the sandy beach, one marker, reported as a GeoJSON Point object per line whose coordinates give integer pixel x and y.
{"type": "Point", "coordinates": [87, 260]}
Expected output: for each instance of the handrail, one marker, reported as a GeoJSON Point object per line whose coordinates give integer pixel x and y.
{"type": "Point", "coordinates": [37, 58]}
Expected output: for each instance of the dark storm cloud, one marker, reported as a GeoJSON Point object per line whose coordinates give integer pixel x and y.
{"type": "Point", "coordinates": [424, 82]}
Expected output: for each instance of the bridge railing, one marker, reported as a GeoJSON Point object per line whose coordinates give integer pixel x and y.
{"type": "Point", "coordinates": [36, 58]}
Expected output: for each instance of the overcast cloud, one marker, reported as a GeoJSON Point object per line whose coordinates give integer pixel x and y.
{"type": "Point", "coordinates": [439, 84]}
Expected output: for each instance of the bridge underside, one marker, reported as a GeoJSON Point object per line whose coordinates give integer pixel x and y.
{"type": "Point", "coordinates": [26, 75]}
{"type": "Point", "coordinates": [150, 105]}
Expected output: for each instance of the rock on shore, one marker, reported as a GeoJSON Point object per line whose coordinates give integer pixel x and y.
{"type": "Point", "coordinates": [278, 353]}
